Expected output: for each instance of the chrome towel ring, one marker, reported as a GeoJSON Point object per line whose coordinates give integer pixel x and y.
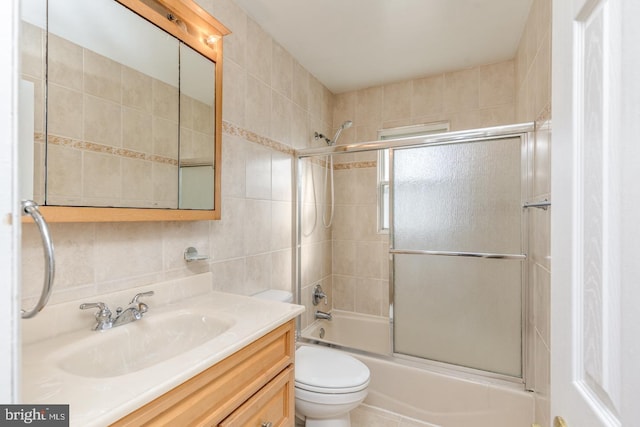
{"type": "Point", "coordinates": [29, 207]}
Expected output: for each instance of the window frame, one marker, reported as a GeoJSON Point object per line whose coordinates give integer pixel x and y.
{"type": "Point", "coordinates": [382, 164]}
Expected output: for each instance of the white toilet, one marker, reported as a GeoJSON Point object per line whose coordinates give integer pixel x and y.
{"type": "Point", "coordinates": [328, 383]}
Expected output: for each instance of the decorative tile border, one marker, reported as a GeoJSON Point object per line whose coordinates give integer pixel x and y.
{"type": "Point", "coordinates": [355, 165]}
{"type": "Point", "coordinates": [233, 130]}
{"type": "Point", "coordinates": [104, 149]}
{"type": "Point", "coordinates": [228, 128]}
{"type": "Point", "coordinates": [343, 166]}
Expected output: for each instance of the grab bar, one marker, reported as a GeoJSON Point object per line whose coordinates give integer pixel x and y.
{"type": "Point", "coordinates": [29, 207]}
{"type": "Point", "coordinates": [461, 254]}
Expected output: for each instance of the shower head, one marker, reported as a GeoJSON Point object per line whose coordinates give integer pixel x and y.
{"type": "Point", "coordinates": [344, 126]}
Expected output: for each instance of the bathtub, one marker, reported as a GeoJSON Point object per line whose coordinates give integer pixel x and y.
{"type": "Point", "coordinates": [355, 330]}
{"type": "Point", "coordinates": [431, 395]}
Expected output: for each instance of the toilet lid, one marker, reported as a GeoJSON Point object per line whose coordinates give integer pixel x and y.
{"type": "Point", "coordinates": [329, 371]}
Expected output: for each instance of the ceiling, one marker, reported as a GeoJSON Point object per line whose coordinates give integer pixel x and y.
{"type": "Point", "coordinates": [354, 44]}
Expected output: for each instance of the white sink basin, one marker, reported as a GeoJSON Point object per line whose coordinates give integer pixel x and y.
{"type": "Point", "coordinates": [106, 375]}
{"type": "Point", "coordinates": [140, 344]}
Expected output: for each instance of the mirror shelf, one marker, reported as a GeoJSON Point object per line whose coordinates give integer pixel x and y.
{"type": "Point", "coordinates": [85, 214]}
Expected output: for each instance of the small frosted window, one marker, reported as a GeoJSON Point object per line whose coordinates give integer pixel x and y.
{"type": "Point", "coordinates": [383, 163]}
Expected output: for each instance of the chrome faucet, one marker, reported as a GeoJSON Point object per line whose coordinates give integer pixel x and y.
{"type": "Point", "coordinates": [323, 315]}
{"type": "Point", "coordinates": [105, 319]}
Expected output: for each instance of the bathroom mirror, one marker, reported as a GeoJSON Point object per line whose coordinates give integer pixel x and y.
{"type": "Point", "coordinates": [131, 117]}
{"type": "Point", "coordinates": [197, 107]}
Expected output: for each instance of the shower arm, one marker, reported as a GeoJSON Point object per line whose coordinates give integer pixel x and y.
{"type": "Point", "coordinates": [330, 142]}
{"type": "Point", "coordinates": [317, 136]}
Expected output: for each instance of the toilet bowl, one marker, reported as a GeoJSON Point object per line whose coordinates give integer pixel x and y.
{"type": "Point", "coordinates": [328, 383]}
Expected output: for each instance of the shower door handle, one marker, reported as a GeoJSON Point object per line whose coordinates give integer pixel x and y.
{"type": "Point", "coordinates": [29, 207]}
{"type": "Point", "coordinates": [458, 254]}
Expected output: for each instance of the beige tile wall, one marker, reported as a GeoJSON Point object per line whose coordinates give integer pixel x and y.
{"type": "Point", "coordinates": [270, 105]}
{"type": "Point", "coordinates": [533, 103]}
{"type": "Point", "coordinates": [472, 98]}
{"type": "Point", "coordinates": [360, 252]}
{"type": "Point", "coordinates": [316, 251]}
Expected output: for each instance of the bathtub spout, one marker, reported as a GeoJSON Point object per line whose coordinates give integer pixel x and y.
{"type": "Point", "coordinates": [323, 315]}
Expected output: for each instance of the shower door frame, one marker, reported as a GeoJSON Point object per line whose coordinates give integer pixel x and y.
{"type": "Point", "coordinates": [524, 131]}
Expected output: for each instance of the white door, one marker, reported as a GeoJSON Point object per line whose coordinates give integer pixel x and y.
{"type": "Point", "coordinates": [9, 216]}
{"type": "Point", "coordinates": [595, 224]}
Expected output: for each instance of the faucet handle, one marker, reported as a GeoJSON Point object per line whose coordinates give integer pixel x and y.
{"type": "Point", "coordinates": [142, 307]}
{"type": "Point", "coordinates": [103, 315]}
{"type": "Point", "coordinates": [102, 306]}
{"type": "Point", "coordinates": [142, 294]}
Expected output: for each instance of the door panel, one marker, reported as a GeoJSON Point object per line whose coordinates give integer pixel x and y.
{"type": "Point", "coordinates": [593, 282]}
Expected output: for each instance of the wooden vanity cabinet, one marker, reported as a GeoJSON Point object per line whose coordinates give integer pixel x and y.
{"type": "Point", "coordinates": [252, 387]}
{"type": "Point", "coordinates": [273, 403]}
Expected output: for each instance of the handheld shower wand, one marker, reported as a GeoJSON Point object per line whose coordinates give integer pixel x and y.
{"type": "Point", "coordinates": [345, 125]}
{"type": "Point", "coordinates": [333, 141]}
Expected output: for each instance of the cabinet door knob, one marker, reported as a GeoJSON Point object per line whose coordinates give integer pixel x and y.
{"type": "Point", "coordinates": [267, 424]}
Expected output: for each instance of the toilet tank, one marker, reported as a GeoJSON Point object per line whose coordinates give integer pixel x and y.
{"type": "Point", "coordinates": [275, 295]}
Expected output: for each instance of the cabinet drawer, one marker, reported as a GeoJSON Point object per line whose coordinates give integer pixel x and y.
{"type": "Point", "coordinates": [212, 395]}
{"type": "Point", "coordinates": [273, 404]}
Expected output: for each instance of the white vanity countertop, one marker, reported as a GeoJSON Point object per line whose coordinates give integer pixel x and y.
{"type": "Point", "coordinates": [99, 401]}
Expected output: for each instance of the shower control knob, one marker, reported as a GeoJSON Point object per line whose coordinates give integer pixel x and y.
{"type": "Point", "coordinates": [318, 294]}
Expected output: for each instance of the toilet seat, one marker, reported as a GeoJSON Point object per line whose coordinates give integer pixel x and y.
{"type": "Point", "coordinates": [327, 371]}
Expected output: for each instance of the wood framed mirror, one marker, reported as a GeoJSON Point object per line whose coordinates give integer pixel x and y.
{"type": "Point", "coordinates": [126, 110]}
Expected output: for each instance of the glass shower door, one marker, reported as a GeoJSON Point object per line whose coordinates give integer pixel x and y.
{"type": "Point", "coordinates": [457, 253]}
